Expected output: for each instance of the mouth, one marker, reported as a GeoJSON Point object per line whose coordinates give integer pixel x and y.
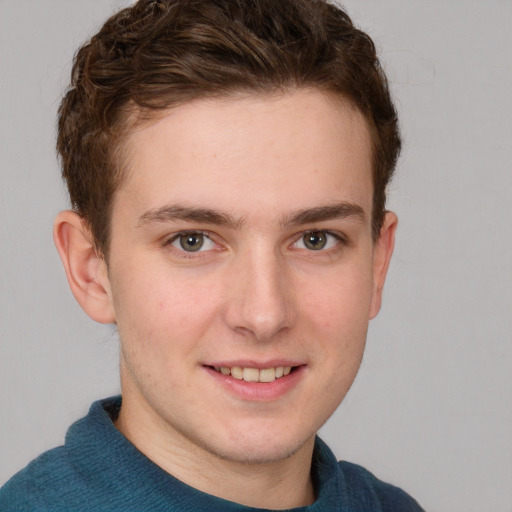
{"type": "Point", "coordinates": [249, 374]}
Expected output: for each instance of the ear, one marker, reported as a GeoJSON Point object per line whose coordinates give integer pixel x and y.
{"type": "Point", "coordinates": [382, 251]}
{"type": "Point", "coordinates": [86, 270]}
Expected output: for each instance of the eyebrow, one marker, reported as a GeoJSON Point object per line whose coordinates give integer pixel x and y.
{"type": "Point", "coordinates": [172, 213]}
{"type": "Point", "coordinates": [322, 213]}
{"type": "Point", "coordinates": [190, 214]}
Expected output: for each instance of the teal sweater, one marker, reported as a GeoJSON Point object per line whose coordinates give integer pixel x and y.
{"type": "Point", "coordinates": [99, 469]}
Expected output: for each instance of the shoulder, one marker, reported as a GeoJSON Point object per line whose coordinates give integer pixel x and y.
{"type": "Point", "coordinates": [56, 480]}
{"type": "Point", "coordinates": [364, 487]}
{"type": "Point", "coordinates": [43, 481]}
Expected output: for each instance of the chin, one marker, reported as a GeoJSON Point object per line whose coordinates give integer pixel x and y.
{"type": "Point", "coordinates": [259, 448]}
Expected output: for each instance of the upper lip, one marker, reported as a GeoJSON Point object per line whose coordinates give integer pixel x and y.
{"type": "Point", "coordinates": [260, 365]}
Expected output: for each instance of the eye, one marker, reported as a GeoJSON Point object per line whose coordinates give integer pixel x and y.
{"type": "Point", "coordinates": [192, 242]}
{"type": "Point", "coordinates": [317, 241]}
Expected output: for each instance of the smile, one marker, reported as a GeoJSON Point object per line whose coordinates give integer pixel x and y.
{"type": "Point", "coordinates": [254, 374]}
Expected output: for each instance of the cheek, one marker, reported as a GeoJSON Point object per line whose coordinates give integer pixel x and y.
{"type": "Point", "coordinates": [338, 313]}
{"type": "Point", "coordinates": [161, 328]}
{"type": "Point", "coordinates": [341, 300]}
{"type": "Point", "coordinates": [162, 311]}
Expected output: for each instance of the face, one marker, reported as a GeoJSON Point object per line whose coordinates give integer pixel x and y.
{"type": "Point", "coordinates": [242, 272]}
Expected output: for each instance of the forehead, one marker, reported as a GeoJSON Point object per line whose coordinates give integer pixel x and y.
{"type": "Point", "coordinates": [303, 145]}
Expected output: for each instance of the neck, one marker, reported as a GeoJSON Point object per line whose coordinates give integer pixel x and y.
{"type": "Point", "coordinates": [281, 484]}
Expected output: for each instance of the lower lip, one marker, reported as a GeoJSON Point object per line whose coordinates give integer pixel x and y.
{"type": "Point", "coordinates": [258, 391]}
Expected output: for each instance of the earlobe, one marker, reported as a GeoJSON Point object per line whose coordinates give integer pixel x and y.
{"type": "Point", "coordinates": [86, 270]}
{"type": "Point", "coordinates": [382, 252]}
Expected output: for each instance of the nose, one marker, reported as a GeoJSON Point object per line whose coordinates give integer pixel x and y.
{"type": "Point", "coordinates": [260, 296]}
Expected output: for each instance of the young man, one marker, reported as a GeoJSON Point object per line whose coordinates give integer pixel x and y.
{"type": "Point", "coordinates": [227, 163]}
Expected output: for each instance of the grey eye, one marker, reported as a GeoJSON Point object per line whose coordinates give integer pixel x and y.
{"type": "Point", "coordinates": [315, 240]}
{"type": "Point", "coordinates": [191, 242]}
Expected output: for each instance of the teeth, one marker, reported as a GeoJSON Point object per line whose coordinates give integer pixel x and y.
{"type": "Point", "coordinates": [253, 374]}
{"type": "Point", "coordinates": [267, 375]}
{"type": "Point", "coordinates": [237, 372]}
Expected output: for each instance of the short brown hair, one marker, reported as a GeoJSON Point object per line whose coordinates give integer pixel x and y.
{"type": "Point", "coordinates": [158, 54]}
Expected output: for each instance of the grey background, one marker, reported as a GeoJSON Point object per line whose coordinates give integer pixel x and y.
{"type": "Point", "coordinates": [431, 408]}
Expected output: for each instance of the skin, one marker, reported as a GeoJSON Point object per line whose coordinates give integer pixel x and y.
{"type": "Point", "coordinates": [251, 175]}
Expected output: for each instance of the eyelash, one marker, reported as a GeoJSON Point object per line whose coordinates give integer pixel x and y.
{"type": "Point", "coordinates": [321, 232]}
{"type": "Point", "coordinates": [340, 239]}
{"type": "Point", "coordinates": [181, 252]}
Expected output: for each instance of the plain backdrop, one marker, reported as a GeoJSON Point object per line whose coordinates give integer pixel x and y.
{"type": "Point", "coordinates": [431, 409]}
